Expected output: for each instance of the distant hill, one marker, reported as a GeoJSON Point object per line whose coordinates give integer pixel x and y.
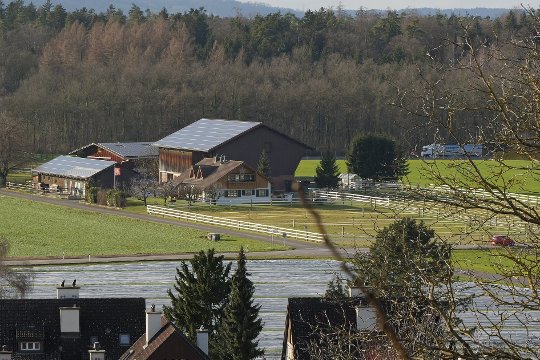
{"type": "Point", "coordinates": [230, 8]}
{"type": "Point", "coordinates": [481, 12]}
{"type": "Point", "coordinates": [222, 8]}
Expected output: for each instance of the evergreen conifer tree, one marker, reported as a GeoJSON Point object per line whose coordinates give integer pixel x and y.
{"type": "Point", "coordinates": [201, 294]}
{"type": "Point", "coordinates": [240, 323]}
{"type": "Point", "coordinates": [263, 166]}
{"type": "Point", "coordinates": [327, 172]}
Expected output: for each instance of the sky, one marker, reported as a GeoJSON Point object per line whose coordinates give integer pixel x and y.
{"type": "Point", "coordinates": [394, 4]}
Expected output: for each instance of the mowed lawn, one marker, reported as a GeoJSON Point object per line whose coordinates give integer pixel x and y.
{"type": "Point", "coordinates": [495, 261]}
{"type": "Point", "coordinates": [42, 230]}
{"type": "Point", "coordinates": [521, 176]}
{"type": "Point", "coordinates": [306, 168]}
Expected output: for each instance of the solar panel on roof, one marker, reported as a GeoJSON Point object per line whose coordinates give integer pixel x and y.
{"type": "Point", "coordinates": [205, 134]}
{"type": "Point", "coordinates": [77, 167]}
{"type": "Point", "coordinates": [131, 149]}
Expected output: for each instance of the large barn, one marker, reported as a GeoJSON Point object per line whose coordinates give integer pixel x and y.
{"type": "Point", "coordinates": [234, 140]}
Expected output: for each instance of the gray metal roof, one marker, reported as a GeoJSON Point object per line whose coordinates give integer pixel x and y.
{"type": "Point", "coordinates": [126, 150]}
{"type": "Point", "coordinates": [131, 149]}
{"type": "Point", "coordinates": [205, 134]}
{"type": "Point", "coordinates": [73, 167]}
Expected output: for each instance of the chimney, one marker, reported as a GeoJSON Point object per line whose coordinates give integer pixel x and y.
{"type": "Point", "coordinates": [67, 292]}
{"type": "Point", "coordinates": [354, 291]}
{"type": "Point", "coordinates": [202, 340]}
{"type": "Point", "coordinates": [69, 321]}
{"type": "Point", "coordinates": [4, 354]}
{"type": "Point", "coordinates": [153, 323]}
{"type": "Point", "coordinates": [96, 353]}
{"type": "Point", "coordinates": [366, 318]}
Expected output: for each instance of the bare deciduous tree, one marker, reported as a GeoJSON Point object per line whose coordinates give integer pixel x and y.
{"type": "Point", "coordinates": [494, 86]}
{"type": "Point", "coordinates": [189, 193]}
{"type": "Point", "coordinates": [13, 146]}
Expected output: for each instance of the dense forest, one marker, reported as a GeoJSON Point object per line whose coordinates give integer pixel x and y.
{"type": "Point", "coordinates": [72, 78]}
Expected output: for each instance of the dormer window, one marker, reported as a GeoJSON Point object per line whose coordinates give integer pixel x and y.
{"type": "Point", "coordinates": [30, 346]}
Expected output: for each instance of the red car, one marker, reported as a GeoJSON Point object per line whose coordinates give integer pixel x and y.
{"type": "Point", "coordinates": [502, 240]}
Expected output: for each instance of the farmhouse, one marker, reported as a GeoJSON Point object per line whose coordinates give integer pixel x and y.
{"type": "Point", "coordinates": [68, 174]}
{"type": "Point", "coordinates": [226, 181]}
{"type": "Point", "coordinates": [232, 139]}
{"type": "Point", "coordinates": [69, 327]}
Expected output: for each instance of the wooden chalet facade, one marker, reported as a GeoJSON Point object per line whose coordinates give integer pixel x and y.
{"type": "Point", "coordinates": [226, 182]}
{"type": "Point", "coordinates": [234, 140]}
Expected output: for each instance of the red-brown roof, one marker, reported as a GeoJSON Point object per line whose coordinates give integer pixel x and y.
{"type": "Point", "coordinates": [169, 343]}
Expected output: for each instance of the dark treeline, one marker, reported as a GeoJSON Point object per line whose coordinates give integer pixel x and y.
{"type": "Point", "coordinates": [78, 77]}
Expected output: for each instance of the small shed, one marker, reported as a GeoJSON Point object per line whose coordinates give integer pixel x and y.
{"type": "Point", "coordinates": [70, 175]}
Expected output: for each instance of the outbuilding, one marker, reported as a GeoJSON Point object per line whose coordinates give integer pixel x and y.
{"type": "Point", "coordinates": [70, 175]}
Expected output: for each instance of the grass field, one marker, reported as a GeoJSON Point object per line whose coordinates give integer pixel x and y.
{"type": "Point", "coordinates": [39, 230]}
{"type": "Point", "coordinates": [19, 177]}
{"type": "Point", "coordinates": [306, 168]}
{"type": "Point", "coordinates": [348, 223]}
{"type": "Point", "coordinates": [491, 261]}
{"type": "Point", "coordinates": [521, 175]}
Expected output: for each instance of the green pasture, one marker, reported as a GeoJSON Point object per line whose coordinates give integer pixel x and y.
{"type": "Point", "coordinates": [306, 168]}
{"type": "Point", "coordinates": [42, 230]}
{"type": "Point", "coordinates": [520, 176]}
{"type": "Point", "coordinates": [19, 177]}
{"type": "Point", "coordinates": [498, 260]}
{"type": "Point", "coordinates": [348, 223]}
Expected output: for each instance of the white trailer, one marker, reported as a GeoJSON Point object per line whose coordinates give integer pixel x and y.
{"type": "Point", "coordinates": [438, 151]}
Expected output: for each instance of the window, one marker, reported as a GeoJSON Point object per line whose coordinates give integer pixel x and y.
{"type": "Point", "coordinates": [169, 177]}
{"type": "Point", "coordinates": [241, 177]}
{"type": "Point", "coordinates": [246, 193]}
{"type": "Point", "coordinates": [124, 340]}
{"type": "Point", "coordinates": [262, 192]}
{"type": "Point", "coordinates": [30, 346]}
{"type": "Point", "coordinates": [231, 193]}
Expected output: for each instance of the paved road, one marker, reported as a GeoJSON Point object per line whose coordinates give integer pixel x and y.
{"type": "Point", "coordinates": [298, 248]}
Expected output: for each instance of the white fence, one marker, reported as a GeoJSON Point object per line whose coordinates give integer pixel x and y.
{"type": "Point", "coordinates": [236, 224]}
{"type": "Point", "coordinates": [17, 186]}
{"type": "Point", "coordinates": [482, 194]}
{"type": "Point", "coordinates": [333, 195]}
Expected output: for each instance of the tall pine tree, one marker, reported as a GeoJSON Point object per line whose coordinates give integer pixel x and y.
{"type": "Point", "coordinates": [240, 323]}
{"type": "Point", "coordinates": [327, 172]}
{"type": "Point", "coordinates": [200, 294]}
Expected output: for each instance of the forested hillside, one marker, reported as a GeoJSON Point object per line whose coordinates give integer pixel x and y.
{"type": "Point", "coordinates": [76, 77]}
